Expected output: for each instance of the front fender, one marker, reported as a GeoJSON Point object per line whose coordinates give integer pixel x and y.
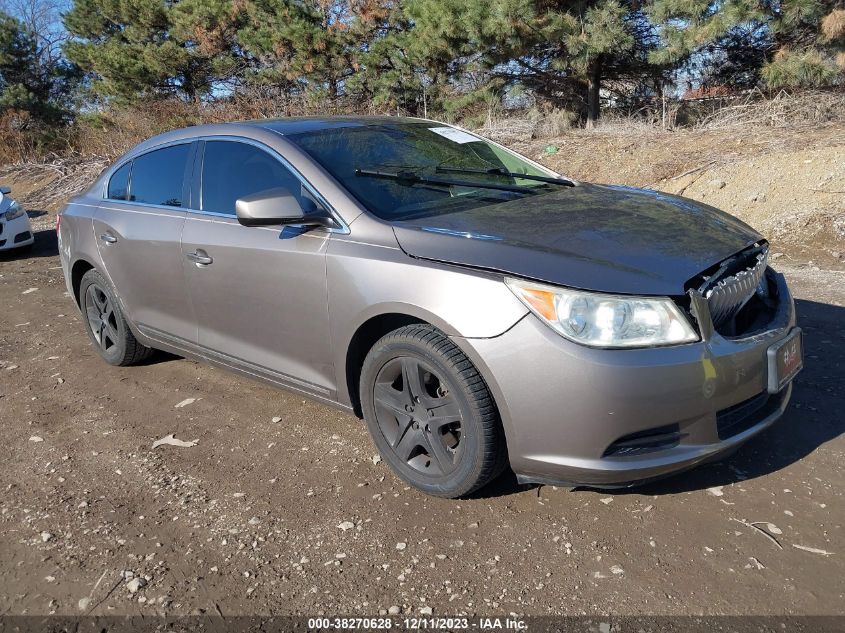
{"type": "Point", "coordinates": [366, 281]}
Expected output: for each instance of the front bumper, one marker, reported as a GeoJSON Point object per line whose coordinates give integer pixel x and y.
{"type": "Point", "coordinates": [15, 233]}
{"type": "Point", "coordinates": [613, 418]}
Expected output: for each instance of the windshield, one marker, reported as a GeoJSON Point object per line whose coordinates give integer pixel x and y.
{"type": "Point", "coordinates": [414, 169]}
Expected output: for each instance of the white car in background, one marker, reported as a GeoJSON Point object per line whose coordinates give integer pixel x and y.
{"type": "Point", "coordinates": [15, 230]}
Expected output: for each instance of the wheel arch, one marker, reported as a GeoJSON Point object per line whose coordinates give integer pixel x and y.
{"type": "Point", "coordinates": [374, 323]}
{"type": "Point", "coordinates": [362, 341]}
{"type": "Point", "coordinates": [77, 271]}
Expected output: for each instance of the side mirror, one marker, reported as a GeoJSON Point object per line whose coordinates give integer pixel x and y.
{"type": "Point", "coordinates": [269, 208]}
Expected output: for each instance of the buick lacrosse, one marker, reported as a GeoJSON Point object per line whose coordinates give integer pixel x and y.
{"type": "Point", "coordinates": [476, 309]}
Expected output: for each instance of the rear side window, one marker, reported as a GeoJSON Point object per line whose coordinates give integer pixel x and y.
{"type": "Point", "coordinates": [157, 177]}
{"type": "Point", "coordinates": [119, 183]}
{"type": "Point", "coordinates": [232, 170]}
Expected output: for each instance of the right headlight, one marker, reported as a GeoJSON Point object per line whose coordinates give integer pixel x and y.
{"type": "Point", "coordinates": [14, 211]}
{"type": "Point", "coordinates": [604, 320]}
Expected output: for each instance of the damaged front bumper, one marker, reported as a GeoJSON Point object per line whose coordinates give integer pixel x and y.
{"type": "Point", "coordinates": [612, 418]}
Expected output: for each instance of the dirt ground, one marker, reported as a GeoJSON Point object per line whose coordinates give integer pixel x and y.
{"type": "Point", "coordinates": [281, 508]}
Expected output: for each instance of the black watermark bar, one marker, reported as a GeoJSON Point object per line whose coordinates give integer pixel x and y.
{"type": "Point", "coordinates": [533, 624]}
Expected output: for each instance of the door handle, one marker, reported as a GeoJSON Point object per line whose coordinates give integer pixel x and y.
{"type": "Point", "coordinates": [199, 257]}
{"type": "Point", "coordinates": [108, 238]}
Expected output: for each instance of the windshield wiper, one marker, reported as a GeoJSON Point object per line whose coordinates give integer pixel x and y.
{"type": "Point", "coordinates": [410, 178]}
{"type": "Point", "coordinates": [499, 171]}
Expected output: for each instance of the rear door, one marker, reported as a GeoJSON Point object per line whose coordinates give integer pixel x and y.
{"type": "Point", "coordinates": [259, 293]}
{"type": "Point", "coordinates": [138, 228]}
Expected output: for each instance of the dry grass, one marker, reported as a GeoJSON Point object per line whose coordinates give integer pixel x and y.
{"type": "Point", "coordinates": [644, 156]}
{"type": "Point", "coordinates": [508, 129]}
{"type": "Point", "coordinates": [48, 186]}
{"type": "Point", "coordinates": [518, 127]}
{"type": "Point", "coordinates": [833, 25]}
{"type": "Point", "coordinates": [784, 110]}
{"type": "Point", "coordinates": [109, 134]}
{"type": "Point", "coordinates": [23, 139]}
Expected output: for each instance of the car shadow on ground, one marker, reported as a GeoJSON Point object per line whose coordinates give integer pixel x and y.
{"type": "Point", "coordinates": [46, 245]}
{"type": "Point", "coordinates": [157, 357]}
{"type": "Point", "coordinates": [813, 418]}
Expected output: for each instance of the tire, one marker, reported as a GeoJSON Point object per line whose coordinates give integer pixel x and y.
{"type": "Point", "coordinates": [105, 324]}
{"type": "Point", "coordinates": [444, 435]}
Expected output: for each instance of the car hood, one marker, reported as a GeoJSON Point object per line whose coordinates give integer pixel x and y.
{"type": "Point", "coordinates": [606, 238]}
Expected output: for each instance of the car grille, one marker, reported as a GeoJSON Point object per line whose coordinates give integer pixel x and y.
{"type": "Point", "coordinates": [736, 281]}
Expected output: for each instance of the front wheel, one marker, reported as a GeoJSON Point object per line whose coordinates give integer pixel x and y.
{"type": "Point", "coordinates": [430, 412]}
{"type": "Point", "coordinates": [105, 323]}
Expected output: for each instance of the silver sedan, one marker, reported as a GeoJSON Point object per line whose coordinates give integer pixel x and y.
{"type": "Point", "coordinates": [476, 309]}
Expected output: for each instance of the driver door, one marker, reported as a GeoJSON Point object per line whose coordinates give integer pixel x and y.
{"type": "Point", "coordinates": [259, 293]}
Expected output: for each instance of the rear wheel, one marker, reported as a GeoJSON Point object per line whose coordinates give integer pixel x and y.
{"type": "Point", "coordinates": [105, 323]}
{"type": "Point", "coordinates": [430, 413]}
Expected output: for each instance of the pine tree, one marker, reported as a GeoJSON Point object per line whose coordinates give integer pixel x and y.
{"type": "Point", "coordinates": [29, 81]}
{"type": "Point", "coordinates": [809, 42]}
{"type": "Point", "coordinates": [146, 47]}
{"type": "Point", "coordinates": [563, 51]}
{"type": "Point", "coordinates": [302, 47]}
{"type": "Point", "coordinates": [745, 42]}
{"type": "Point", "coordinates": [396, 69]}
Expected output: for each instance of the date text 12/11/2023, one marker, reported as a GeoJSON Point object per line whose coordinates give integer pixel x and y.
{"type": "Point", "coordinates": [421, 623]}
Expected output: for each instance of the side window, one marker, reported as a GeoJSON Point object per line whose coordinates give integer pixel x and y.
{"type": "Point", "coordinates": [119, 183]}
{"type": "Point", "coordinates": [157, 177]}
{"type": "Point", "coordinates": [232, 170]}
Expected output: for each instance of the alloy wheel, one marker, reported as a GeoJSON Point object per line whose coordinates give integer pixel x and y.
{"type": "Point", "coordinates": [418, 415]}
{"type": "Point", "coordinates": [101, 317]}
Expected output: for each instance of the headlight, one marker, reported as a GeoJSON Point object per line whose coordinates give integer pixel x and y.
{"type": "Point", "coordinates": [14, 211]}
{"type": "Point", "coordinates": [601, 320]}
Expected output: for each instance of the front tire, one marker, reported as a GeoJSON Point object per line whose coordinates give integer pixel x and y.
{"type": "Point", "coordinates": [105, 324]}
{"type": "Point", "coordinates": [430, 412]}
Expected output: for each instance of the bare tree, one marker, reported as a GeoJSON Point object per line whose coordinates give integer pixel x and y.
{"type": "Point", "coordinates": [43, 19]}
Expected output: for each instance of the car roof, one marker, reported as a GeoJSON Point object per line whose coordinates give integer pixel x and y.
{"type": "Point", "coordinates": [295, 125]}
{"type": "Point", "coordinates": [282, 126]}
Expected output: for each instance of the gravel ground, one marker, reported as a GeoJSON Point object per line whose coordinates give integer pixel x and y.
{"type": "Point", "coordinates": [281, 507]}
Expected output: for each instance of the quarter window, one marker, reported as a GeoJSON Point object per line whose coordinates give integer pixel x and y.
{"type": "Point", "coordinates": [157, 177]}
{"type": "Point", "coordinates": [119, 183]}
{"type": "Point", "coordinates": [233, 170]}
